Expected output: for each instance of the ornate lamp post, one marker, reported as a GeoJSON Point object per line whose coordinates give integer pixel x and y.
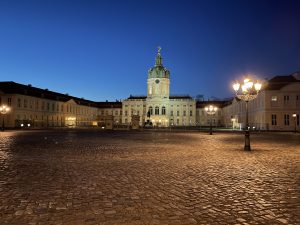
{"type": "Point", "coordinates": [294, 116]}
{"type": "Point", "coordinates": [247, 92]}
{"type": "Point", "coordinates": [4, 110]}
{"type": "Point", "coordinates": [210, 110]}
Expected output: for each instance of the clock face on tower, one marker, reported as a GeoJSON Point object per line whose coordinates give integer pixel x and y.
{"type": "Point", "coordinates": [157, 81]}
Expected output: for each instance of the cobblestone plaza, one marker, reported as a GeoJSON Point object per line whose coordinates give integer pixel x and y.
{"type": "Point", "coordinates": [95, 177]}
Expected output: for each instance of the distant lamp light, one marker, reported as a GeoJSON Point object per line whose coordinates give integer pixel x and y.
{"type": "Point", "coordinates": [4, 110]}
{"type": "Point", "coordinates": [22, 125]}
{"type": "Point", "coordinates": [211, 110]}
{"type": "Point", "coordinates": [28, 125]}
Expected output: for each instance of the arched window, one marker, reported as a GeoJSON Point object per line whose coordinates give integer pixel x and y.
{"type": "Point", "coordinates": [156, 110]}
{"type": "Point", "coordinates": [151, 110]}
{"type": "Point", "coordinates": [163, 110]}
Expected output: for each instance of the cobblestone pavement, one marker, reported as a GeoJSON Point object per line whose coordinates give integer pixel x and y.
{"type": "Point", "coordinates": [94, 177]}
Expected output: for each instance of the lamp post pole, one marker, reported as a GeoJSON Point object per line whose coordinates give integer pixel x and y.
{"type": "Point", "coordinates": [210, 110]}
{"type": "Point", "coordinates": [247, 92]}
{"type": "Point", "coordinates": [210, 129]}
{"type": "Point", "coordinates": [295, 116]}
{"type": "Point", "coordinates": [247, 132]}
{"type": "Point", "coordinates": [4, 110]}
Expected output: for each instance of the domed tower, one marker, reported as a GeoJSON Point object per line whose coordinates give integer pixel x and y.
{"type": "Point", "coordinates": [158, 79]}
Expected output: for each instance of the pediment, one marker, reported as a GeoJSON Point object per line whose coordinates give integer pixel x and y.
{"type": "Point", "coordinates": [71, 102]}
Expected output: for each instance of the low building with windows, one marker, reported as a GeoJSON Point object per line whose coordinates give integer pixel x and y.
{"type": "Point", "coordinates": [204, 119]}
{"type": "Point", "coordinates": [277, 106]}
{"type": "Point", "coordinates": [35, 107]}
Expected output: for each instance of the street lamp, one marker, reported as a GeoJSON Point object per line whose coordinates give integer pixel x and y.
{"type": "Point", "coordinates": [247, 92]}
{"type": "Point", "coordinates": [211, 110]}
{"type": "Point", "coordinates": [294, 116]}
{"type": "Point", "coordinates": [4, 110]}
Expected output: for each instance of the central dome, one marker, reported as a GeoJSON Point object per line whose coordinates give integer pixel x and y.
{"type": "Point", "coordinates": [158, 71]}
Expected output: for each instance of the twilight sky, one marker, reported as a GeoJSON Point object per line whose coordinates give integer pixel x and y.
{"type": "Point", "coordinates": [102, 50]}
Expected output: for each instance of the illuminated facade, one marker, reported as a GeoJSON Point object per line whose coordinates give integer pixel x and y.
{"type": "Point", "coordinates": [35, 107]}
{"type": "Point", "coordinates": [158, 106]}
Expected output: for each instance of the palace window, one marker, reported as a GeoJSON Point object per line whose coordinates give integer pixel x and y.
{"type": "Point", "coordinates": [274, 121]}
{"type": "Point", "coordinates": [171, 112]}
{"type": "Point", "coordinates": [286, 119]}
{"type": "Point", "coordinates": [163, 110]}
{"type": "Point", "coordinates": [184, 113]}
{"type": "Point", "coordinates": [19, 103]}
{"type": "Point", "coordinates": [151, 110]}
{"type": "Point", "coordinates": [25, 103]}
{"type": "Point", "coordinates": [9, 101]}
{"type": "Point", "coordinates": [156, 110]}
{"type": "Point", "coordinates": [53, 106]}
{"type": "Point", "coordinates": [126, 114]}
{"type": "Point", "coordinates": [191, 113]}
{"type": "Point", "coordinates": [286, 99]}
{"type": "Point", "coordinates": [177, 113]}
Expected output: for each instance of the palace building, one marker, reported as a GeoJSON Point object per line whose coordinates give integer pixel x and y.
{"type": "Point", "coordinates": [277, 107]}
{"type": "Point", "coordinates": [161, 108]}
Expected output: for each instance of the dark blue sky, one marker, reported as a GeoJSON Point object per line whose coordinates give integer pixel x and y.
{"type": "Point", "coordinates": [103, 50]}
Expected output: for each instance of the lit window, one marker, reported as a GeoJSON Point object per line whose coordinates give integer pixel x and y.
{"type": "Point", "coordinates": [274, 98]}
{"type": "Point", "coordinates": [163, 110]}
